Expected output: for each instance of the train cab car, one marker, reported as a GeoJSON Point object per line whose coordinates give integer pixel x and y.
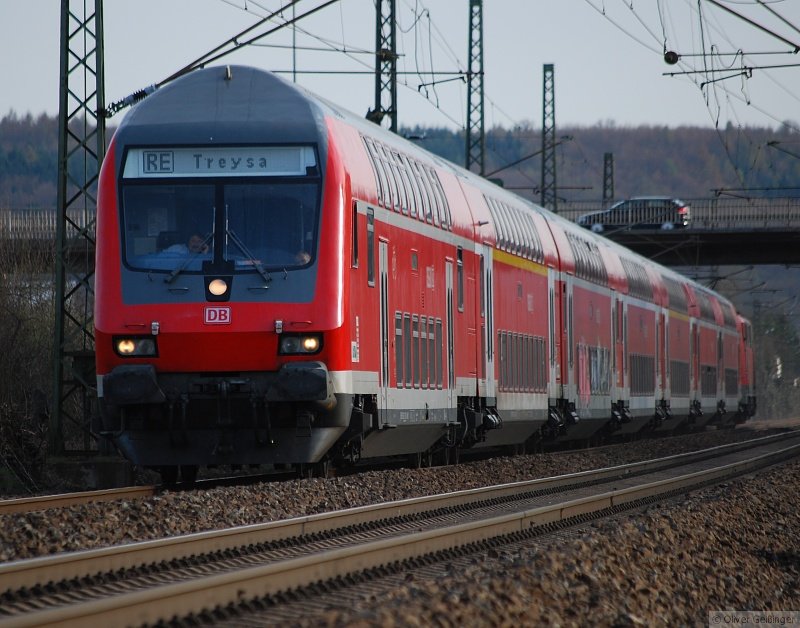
{"type": "Point", "coordinates": [517, 349]}
{"type": "Point", "coordinates": [219, 276]}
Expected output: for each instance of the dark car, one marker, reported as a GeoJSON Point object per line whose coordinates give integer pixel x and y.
{"type": "Point", "coordinates": [641, 212]}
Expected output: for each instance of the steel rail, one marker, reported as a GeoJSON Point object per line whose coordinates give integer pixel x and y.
{"type": "Point", "coordinates": [180, 599]}
{"type": "Point", "coordinates": [42, 502]}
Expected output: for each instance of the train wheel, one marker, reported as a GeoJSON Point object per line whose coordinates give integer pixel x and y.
{"type": "Point", "coordinates": [323, 469]}
{"type": "Point", "coordinates": [169, 475]}
{"type": "Point", "coordinates": [189, 473]}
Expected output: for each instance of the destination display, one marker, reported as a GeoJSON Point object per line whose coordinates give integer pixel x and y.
{"type": "Point", "coordinates": [242, 161]}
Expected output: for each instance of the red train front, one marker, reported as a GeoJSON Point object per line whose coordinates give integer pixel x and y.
{"type": "Point", "coordinates": [216, 319]}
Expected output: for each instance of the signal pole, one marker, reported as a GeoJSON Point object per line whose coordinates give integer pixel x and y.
{"type": "Point", "coordinates": [549, 198]}
{"type": "Point", "coordinates": [81, 148]}
{"type": "Point", "coordinates": [476, 139]}
{"type": "Point", "coordinates": [385, 65]}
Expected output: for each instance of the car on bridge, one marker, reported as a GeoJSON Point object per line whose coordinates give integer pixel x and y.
{"type": "Point", "coordinates": [639, 212]}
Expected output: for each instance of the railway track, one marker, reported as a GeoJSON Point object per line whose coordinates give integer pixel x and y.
{"type": "Point", "coordinates": [157, 580]}
{"type": "Point", "coordinates": [65, 500]}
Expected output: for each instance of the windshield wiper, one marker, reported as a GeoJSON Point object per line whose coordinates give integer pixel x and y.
{"type": "Point", "coordinates": [171, 277]}
{"type": "Point", "coordinates": [250, 257]}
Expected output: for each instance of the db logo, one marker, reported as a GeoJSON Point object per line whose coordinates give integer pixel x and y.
{"type": "Point", "coordinates": [217, 316]}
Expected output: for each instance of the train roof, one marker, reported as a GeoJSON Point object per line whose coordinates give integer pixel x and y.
{"type": "Point", "coordinates": [225, 105]}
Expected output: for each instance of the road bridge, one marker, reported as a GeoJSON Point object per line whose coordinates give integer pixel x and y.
{"type": "Point", "coordinates": [722, 231]}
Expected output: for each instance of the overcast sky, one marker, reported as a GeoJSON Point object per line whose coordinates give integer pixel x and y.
{"type": "Point", "coordinates": [608, 56]}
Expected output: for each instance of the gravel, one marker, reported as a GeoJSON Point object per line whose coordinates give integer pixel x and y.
{"type": "Point", "coordinates": [733, 546]}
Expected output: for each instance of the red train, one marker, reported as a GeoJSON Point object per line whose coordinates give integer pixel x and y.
{"type": "Point", "coordinates": [281, 282]}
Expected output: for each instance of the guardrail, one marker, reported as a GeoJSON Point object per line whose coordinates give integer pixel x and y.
{"type": "Point", "coordinates": [719, 212]}
{"type": "Point", "coordinates": [39, 224]}
{"type": "Point", "coordinates": [707, 213]}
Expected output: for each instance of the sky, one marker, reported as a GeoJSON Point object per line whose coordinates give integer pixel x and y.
{"type": "Point", "coordinates": [608, 56]}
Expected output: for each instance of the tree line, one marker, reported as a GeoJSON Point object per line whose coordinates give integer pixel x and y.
{"type": "Point", "coordinates": [685, 162]}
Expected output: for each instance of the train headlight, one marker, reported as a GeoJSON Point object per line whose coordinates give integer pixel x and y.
{"type": "Point", "coordinates": [300, 344]}
{"type": "Point", "coordinates": [218, 287]}
{"type": "Point", "coordinates": [135, 346]}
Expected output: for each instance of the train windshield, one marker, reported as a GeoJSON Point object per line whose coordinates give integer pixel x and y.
{"type": "Point", "coordinates": [179, 220]}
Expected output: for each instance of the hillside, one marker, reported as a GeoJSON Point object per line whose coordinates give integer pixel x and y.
{"type": "Point", "coordinates": [686, 162]}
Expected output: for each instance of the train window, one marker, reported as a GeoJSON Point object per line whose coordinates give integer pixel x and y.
{"type": "Point", "coordinates": [398, 348]}
{"type": "Point", "coordinates": [410, 206]}
{"type": "Point", "coordinates": [529, 362]}
{"type": "Point", "coordinates": [570, 330]}
{"type": "Point", "coordinates": [504, 236]}
{"type": "Point", "coordinates": [432, 373]}
{"type": "Point", "coordinates": [380, 176]}
{"type": "Point", "coordinates": [370, 246]}
{"type": "Point", "coordinates": [415, 348]}
{"type": "Point", "coordinates": [253, 225]}
{"type": "Point", "coordinates": [501, 342]}
{"type": "Point", "coordinates": [534, 248]}
{"type": "Point", "coordinates": [517, 363]}
{"type": "Point", "coordinates": [399, 174]}
{"type": "Point", "coordinates": [383, 152]}
{"type": "Point", "coordinates": [519, 236]}
{"type": "Point", "coordinates": [439, 375]}
{"type": "Point", "coordinates": [460, 265]}
{"type": "Point", "coordinates": [423, 193]}
{"type": "Point", "coordinates": [706, 309]}
{"type": "Point", "coordinates": [354, 238]}
{"type": "Point", "coordinates": [436, 202]}
{"type": "Point", "coordinates": [426, 211]}
{"type": "Point", "coordinates": [407, 349]}
{"type": "Point", "coordinates": [538, 251]}
{"type": "Point", "coordinates": [677, 297]}
{"type": "Point", "coordinates": [273, 223]}
{"type": "Point", "coordinates": [423, 348]}
{"type": "Point", "coordinates": [159, 220]}
{"type": "Point", "coordinates": [389, 196]}
{"type": "Point", "coordinates": [483, 286]}
{"type": "Point", "coordinates": [411, 188]}
{"type": "Point", "coordinates": [638, 283]}
{"type": "Point", "coordinates": [541, 366]}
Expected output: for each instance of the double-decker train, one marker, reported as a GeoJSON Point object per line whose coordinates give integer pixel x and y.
{"type": "Point", "coordinates": [280, 282]}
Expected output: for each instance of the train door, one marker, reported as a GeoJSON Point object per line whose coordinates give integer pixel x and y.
{"type": "Point", "coordinates": [568, 365]}
{"type": "Point", "coordinates": [616, 348]}
{"type": "Point", "coordinates": [451, 376]}
{"type": "Point", "coordinates": [554, 338]}
{"type": "Point", "coordinates": [385, 326]}
{"type": "Point", "coordinates": [659, 342]}
{"type": "Point", "coordinates": [624, 348]}
{"type": "Point", "coordinates": [666, 392]}
{"type": "Point", "coordinates": [694, 360]}
{"type": "Point", "coordinates": [487, 311]}
{"type": "Point", "coordinates": [720, 366]}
